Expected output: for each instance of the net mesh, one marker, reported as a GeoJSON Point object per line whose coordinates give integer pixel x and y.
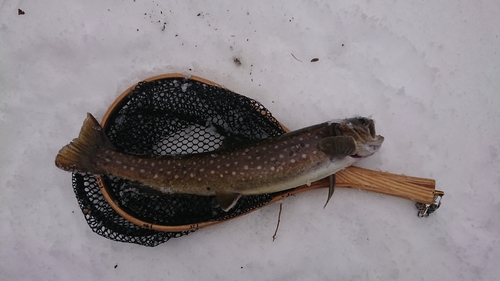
{"type": "Point", "coordinates": [171, 116]}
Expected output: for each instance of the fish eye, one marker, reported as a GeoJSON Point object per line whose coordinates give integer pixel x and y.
{"type": "Point", "coordinates": [363, 121]}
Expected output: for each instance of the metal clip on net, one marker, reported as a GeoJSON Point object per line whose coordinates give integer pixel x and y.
{"type": "Point", "coordinates": [424, 210]}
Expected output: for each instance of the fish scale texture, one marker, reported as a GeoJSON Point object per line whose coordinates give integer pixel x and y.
{"type": "Point", "coordinates": [171, 116]}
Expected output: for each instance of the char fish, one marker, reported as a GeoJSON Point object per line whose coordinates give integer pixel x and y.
{"type": "Point", "coordinates": [257, 167]}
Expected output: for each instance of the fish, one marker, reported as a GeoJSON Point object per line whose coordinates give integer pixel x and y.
{"type": "Point", "coordinates": [246, 168]}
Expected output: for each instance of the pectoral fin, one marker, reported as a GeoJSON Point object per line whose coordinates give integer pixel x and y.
{"type": "Point", "coordinates": [338, 147]}
{"type": "Point", "coordinates": [227, 200]}
{"type": "Point", "coordinates": [331, 189]}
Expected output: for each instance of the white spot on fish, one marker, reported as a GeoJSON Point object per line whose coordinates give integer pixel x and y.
{"type": "Point", "coordinates": [212, 172]}
{"type": "Point", "coordinates": [191, 175]}
{"type": "Point", "coordinates": [272, 168]}
{"type": "Point", "coordinates": [153, 164]}
{"type": "Point", "coordinates": [281, 156]}
{"type": "Point", "coordinates": [233, 173]}
{"type": "Point", "coordinates": [132, 169]}
{"type": "Point", "coordinates": [276, 147]}
{"type": "Point", "coordinates": [307, 145]}
{"type": "Point", "coordinates": [292, 161]}
{"type": "Point", "coordinates": [314, 152]}
{"type": "Point", "coordinates": [259, 167]}
{"type": "Point", "coordinates": [202, 170]}
{"type": "Point", "coordinates": [227, 165]}
{"type": "Point", "coordinates": [221, 175]}
{"type": "Point", "coordinates": [304, 156]}
{"type": "Point", "coordinates": [245, 167]}
{"type": "Point", "coordinates": [107, 160]}
{"type": "Point", "coordinates": [118, 162]}
{"type": "Point", "coordinates": [155, 176]}
{"type": "Point", "coordinates": [142, 170]}
{"type": "Point", "coordinates": [176, 176]}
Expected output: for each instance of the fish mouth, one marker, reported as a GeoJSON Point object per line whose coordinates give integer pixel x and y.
{"type": "Point", "coordinates": [362, 129]}
{"type": "Point", "coordinates": [369, 148]}
{"type": "Point", "coordinates": [371, 129]}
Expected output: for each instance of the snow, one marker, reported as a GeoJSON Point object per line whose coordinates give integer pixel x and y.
{"type": "Point", "coordinates": [427, 72]}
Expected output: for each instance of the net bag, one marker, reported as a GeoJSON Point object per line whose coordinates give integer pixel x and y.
{"type": "Point", "coordinates": [169, 115]}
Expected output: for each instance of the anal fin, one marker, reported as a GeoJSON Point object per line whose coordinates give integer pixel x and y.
{"type": "Point", "coordinates": [227, 200]}
{"type": "Point", "coordinates": [331, 189]}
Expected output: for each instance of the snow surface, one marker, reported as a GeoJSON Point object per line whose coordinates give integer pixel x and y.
{"type": "Point", "coordinates": [426, 71]}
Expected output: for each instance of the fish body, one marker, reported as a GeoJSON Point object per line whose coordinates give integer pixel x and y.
{"type": "Point", "coordinates": [258, 167]}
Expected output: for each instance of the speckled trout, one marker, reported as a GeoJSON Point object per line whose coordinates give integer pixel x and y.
{"type": "Point", "coordinates": [258, 167]}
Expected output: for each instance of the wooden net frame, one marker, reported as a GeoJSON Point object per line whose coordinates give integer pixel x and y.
{"type": "Point", "coordinates": [420, 190]}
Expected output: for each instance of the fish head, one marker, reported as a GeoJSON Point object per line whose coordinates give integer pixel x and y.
{"type": "Point", "coordinates": [362, 129]}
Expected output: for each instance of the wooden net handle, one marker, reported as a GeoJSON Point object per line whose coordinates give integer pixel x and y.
{"type": "Point", "coordinates": [420, 190]}
{"type": "Point", "coordinates": [412, 188]}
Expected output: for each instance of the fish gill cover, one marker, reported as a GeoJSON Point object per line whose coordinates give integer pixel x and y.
{"type": "Point", "coordinates": [170, 116]}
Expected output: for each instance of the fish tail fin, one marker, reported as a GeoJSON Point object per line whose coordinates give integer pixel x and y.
{"type": "Point", "coordinates": [81, 154]}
